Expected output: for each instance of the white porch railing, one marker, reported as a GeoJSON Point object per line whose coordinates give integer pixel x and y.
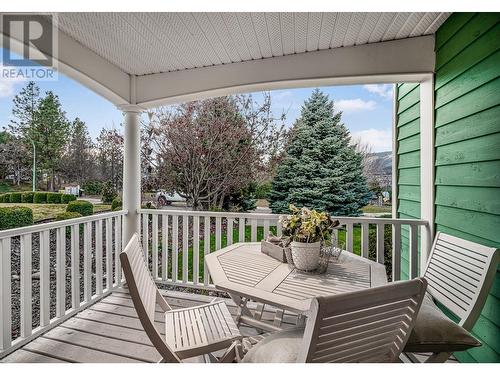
{"type": "Point", "coordinates": [48, 272]}
{"type": "Point", "coordinates": [177, 241]}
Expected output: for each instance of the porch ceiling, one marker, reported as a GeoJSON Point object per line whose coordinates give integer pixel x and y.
{"type": "Point", "coordinates": [151, 59]}
{"type": "Point", "coordinates": [166, 42]}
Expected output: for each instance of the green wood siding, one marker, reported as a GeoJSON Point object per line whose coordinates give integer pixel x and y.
{"type": "Point", "coordinates": [408, 154]}
{"type": "Point", "coordinates": [467, 132]}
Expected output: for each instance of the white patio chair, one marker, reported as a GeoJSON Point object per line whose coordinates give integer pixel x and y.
{"type": "Point", "coordinates": [459, 274]}
{"type": "Point", "coordinates": [191, 331]}
{"type": "Point", "coordinates": [371, 325]}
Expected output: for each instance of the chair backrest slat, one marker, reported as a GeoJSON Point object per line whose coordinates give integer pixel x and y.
{"type": "Point", "coordinates": [144, 294]}
{"type": "Point", "coordinates": [460, 274]}
{"type": "Point", "coordinates": [370, 325]}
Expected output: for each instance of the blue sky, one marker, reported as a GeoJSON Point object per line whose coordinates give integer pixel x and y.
{"type": "Point", "coordinates": [367, 109]}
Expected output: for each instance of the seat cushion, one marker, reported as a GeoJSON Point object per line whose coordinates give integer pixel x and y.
{"type": "Point", "coordinates": [280, 347]}
{"type": "Point", "coordinates": [435, 332]}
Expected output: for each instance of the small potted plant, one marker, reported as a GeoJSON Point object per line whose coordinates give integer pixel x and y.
{"type": "Point", "coordinates": [306, 229]}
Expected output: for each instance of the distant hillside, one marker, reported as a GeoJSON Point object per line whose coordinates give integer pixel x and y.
{"type": "Point", "coordinates": [379, 166]}
{"type": "Point", "coordinates": [381, 162]}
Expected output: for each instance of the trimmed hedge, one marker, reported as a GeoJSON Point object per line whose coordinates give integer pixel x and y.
{"type": "Point", "coordinates": [66, 198]}
{"type": "Point", "coordinates": [116, 204]}
{"type": "Point", "coordinates": [83, 207]}
{"type": "Point", "coordinates": [2, 198]}
{"type": "Point", "coordinates": [6, 198]}
{"type": "Point", "coordinates": [27, 197]}
{"type": "Point", "coordinates": [15, 217]}
{"type": "Point", "coordinates": [67, 215]}
{"type": "Point", "coordinates": [15, 197]}
{"type": "Point", "coordinates": [40, 197]}
{"type": "Point", "coordinates": [54, 198]}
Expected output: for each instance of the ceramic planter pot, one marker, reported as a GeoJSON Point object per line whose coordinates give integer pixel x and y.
{"type": "Point", "coordinates": [305, 256]}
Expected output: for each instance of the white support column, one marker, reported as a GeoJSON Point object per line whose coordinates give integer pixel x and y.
{"type": "Point", "coordinates": [427, 165]}
{"type": "Point", "coordinates": [394, 197]}
{"type": "Point", "coordinates": [131, 171]}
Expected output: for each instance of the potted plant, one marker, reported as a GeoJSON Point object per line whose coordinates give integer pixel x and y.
{"type": "Point", "coordinates": [306, 229]}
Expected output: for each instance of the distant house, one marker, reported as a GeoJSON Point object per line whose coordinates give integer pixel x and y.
{"type": "Point", "coordinates": [73, 189]}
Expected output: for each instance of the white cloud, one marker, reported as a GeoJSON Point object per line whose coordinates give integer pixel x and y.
{"type": "Point", "coordinates": [385, 91]}
{"type": "Point", "coordinates": [379, 140]}
{"type": "Point", "coordinates": [355, 105]}
{"type": "Point", "coordinates": [7, 85]}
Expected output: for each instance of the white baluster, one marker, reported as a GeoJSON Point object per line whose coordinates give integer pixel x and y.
{"type": "Point", "coordinates": [413, 251]}
{"type": "Point", "coordinates": [26, 322]}
{"type": "Point", "coordinates": [164, 247]}
{"type": "Point", "coordinates": [98, 257]}
{"type": "Point", "coordinates": [380, 243]}
{"type": "Point", "coordinates": [175, 247]}
{"type": "Point", "coordinates": [60, 272]}
{"type": "Point", "coordinates": [218, 233]}
{"type": "Point", "coordinates": [154, 252]}
{"type": "Point", "coordinates": [206, 250]}
{"type": "Point", "coordinates": [365, 231]}
{"type": "Point", "coordinates": [118, 250]}
{"type": "Point", "coordinates": [241, 229]}
{"type": "Point", "coordinates": [185, 249]}
{"type": "Point", "coordinates": [396, 252]}
{"type": "Point", "coordinates": [349, 237]}
{"type": "Point", "coordinates": [109, 254]}
{"type": "Point", "coordinates": [229, 231]}
{"type": "Point", "coordinates": [87, 265]}
{"type": "Point", "coordinates": [75, 266]}
{"type": "Point", "coordinates": [44, 279]}
{"type": "Point", "coordinates": [196, 249]}
{"type": "Point", "coordinates": [266, 229]}
{"type": "Point", "coordinates": [253, 231]}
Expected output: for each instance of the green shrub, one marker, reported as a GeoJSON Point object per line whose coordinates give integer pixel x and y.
{"type": "Point", "coordinates": [40, 197]}
{"type": "Point", "coordinates": [6, 198]}
{"type": "Point", "coordinates": [67, 215]}
{"type": "Point", "coordinates": [66, 198]}
{"type": "Point", "coordinates": [27, 197]}
{"type": "Point", "coordinates": [2, 198]}
{"type": "Point", "coordinates": [92, 187]}
{"type": "Point", "coordinates": [83, 207]}
{"type": "Point", "coordinates": [108, 193]}
{"type": "Point", "coordinates": [15, 217]}
{"type": "Point", "coordinates": [116, 204]}
{"type": "Point", "coordinates": [54, 198]}
{"type": "Point", "coordinates": [15, 197]}
{"type": "Point", "coordinates": [262, 190]}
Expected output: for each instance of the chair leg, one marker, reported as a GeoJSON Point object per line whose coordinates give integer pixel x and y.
{"type": "Point", "coordinates": [433, 358]}
{"type": "Point", "coordinates": [229, 355]}
{"type": "Point", "coordinates": [438, 357]}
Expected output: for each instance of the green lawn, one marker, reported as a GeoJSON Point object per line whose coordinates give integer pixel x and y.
{"type": "Point", "coordinates": [371, 209]}
{"type": "Point", "coordinates": [50, 211]}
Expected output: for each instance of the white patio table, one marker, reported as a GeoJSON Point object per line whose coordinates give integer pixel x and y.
{"type": "Point", "coordinates": [246, 273]}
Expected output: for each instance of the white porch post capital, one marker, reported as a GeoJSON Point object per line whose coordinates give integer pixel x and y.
{"type": "Point", "coordinates": [131, 170]}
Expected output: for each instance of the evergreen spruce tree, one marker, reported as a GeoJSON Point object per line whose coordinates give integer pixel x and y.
{"type": "Point", "coordinates": [321, 169]}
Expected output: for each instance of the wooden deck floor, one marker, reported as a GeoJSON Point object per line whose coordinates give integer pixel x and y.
{"type": "Point", "coordinates": [110, 332]}
{"type": "Point", "coordinates": [107, 332]}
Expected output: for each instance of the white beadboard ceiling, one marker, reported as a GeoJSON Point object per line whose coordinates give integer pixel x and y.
{"type": "Point", "coordinates": [147, 43]}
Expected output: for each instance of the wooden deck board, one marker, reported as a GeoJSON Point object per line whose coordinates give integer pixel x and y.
{"type": "Point", "coordinates": [110, 332]}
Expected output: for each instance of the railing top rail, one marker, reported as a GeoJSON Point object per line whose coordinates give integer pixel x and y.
{"type": "Point", "coordinates": [265, 216]}
{"type": "Point", "coordinates": [58, 224]}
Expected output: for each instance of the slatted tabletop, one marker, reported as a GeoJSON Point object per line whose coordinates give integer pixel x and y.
{"type": "Point", "coordinates": [242, 269]}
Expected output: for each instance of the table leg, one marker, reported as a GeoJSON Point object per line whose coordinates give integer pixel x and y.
{"type": "Point", "coordinates": [244, 315]}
